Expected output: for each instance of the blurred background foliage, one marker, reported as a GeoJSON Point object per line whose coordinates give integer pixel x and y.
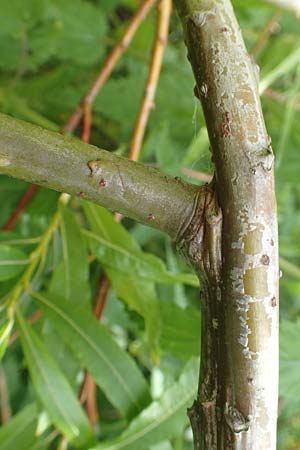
{"type": "Point", "coordinates": [146, 371]}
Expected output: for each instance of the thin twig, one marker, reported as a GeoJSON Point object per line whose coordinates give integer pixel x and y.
{"type": "Point", "coordinates": [164, 11]}
{"type": "Point", "coordinates": [103, 288]}
{"type": "Point", "coordinates": [89, 97]}
{"type": "Point", "coordinates": [32, 319]}
{"type": "Point", "coordinates": [5, 409]}
{"type": "Point", "coordinates": [109, 64]}
{"type": "Point", "coordinates": [87, 394]}
{"type": "Point", "coordinates": [198, 175]}
{"type": "Point", "coordinates": [87, 397]}
{"type": "Point", "coordinates": [23, 202]}
{"type": "Point", "coordinates": [266, 32]}
{"type": "Point", "coordinates": [86, 132]}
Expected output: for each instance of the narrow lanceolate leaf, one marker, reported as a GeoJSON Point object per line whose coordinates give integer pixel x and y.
{"type": "Point", "coordinates": [138, 264]}
{"type": "Point", "coordinates": [180, 330]}
{"type": "Point", "coordinates": [12, 262]}
{"type": "Point", "coordinates": [53, 390]}
{"type": "Point", "coordinates": [103, 223]}
{"type": "Point", "coordinates": [163, 419]}
{"type": "Point", "coordinates": [141, 296]}
{"type": "Point", "coordinates": [71, 276]}
{"type": "Point", "coordinates": [137, 292]}
{"type": "Point", "coordinates": [19, 432]}
{"type": "Point", "coordinates": [5, 330]}
{"type": "Point", "coordinates": [111, 367]}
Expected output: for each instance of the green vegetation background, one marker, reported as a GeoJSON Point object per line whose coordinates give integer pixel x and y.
{"type": "Point", "coordinates": [50, 51]}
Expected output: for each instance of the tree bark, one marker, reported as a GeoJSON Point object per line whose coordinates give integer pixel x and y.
{"type": "Point", "coordinates": [66, 164]}
{"type": "Point", "coordinates": [236, 407]}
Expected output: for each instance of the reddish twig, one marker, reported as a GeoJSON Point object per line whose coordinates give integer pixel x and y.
{"type": "Point", "coordinates": [23, 202]}
{"type": "Point", "coordinates": [32, 319]}
{"type": "Point", "coordinates": [103, 288]}
{"type": "Point", "coordinates": [5, 409]}
{"type": "Point", "coordinates": [88, 99]}
{"type": "Point", "coordinates": [87, 119]}
{"type": "Point", "coordinates": [202, 176]}
{"type": "Point", "coordinates": [109, 64]}
{"type": "Point", "coordinates": [87, 394]}
{"type": "Point", "coordinates": [164, 11]}
{"type": "Point", "coordinates": [265, 34]}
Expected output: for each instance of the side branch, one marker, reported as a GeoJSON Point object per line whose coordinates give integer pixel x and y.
{"type": "Point", "coordinates": [164, 12]}
{"type": "Point", "coordinates": [67, 165]}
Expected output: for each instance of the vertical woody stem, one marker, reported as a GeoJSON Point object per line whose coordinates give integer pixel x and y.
{"type": "Point", "coordinates": [247, 341]}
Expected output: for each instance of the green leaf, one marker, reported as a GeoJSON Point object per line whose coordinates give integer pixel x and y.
{"type": "Point", "coordinates": [290, 360]}
{"type": "Point", "coordinates": [180, 330]}
{"type": "Point", "coordinates": [15, 18]}
{"type": "Point", "coordinates": [82, 30]}
{"type": "Point", "coordinates": [71, 277]}
{"type": "Point", "coordinates": [177, 290]}
{"type": "Point", "coordinates": [138, 293]}
{"type": "Point", "coordinates": [12, 262]}
{"type": "Point", "coordinates": [164, 445]}
{"type": "Point", "coordinates": [163, 419]}
{"type": "Point", "coordinates": [103, 224]}
{"type": "Point", "coordinates": [52, 388]}
{"type": "Point", "coordinates": [112, 368]}
{"type": "Point", "coordinates": [5, 330]}
{"type": "Point", "coordinates": [135, 264]}
{"type": "Point", "coordinates": [19, 432]}
{"type": "Point", "coordinates": [116, 97]}
{"type": "Point", "coordinates": [141, 296]}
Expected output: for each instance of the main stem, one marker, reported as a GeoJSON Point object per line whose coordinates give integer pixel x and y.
{"type": "Point", "coordinates": [236, 408]}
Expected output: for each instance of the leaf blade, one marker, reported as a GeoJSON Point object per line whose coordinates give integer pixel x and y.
{"type": "Point", "coordinates": [163, 419]}
{"type": "Point", "coordinates": [53, 389]}
{"type": "Point", "coordinates": [98, 352]}
{"type": "Point", "coordinates": [12, 262]}
{"type": "Point", "coordinates": [18, 433]}
{"type": "Point", "coordinates": [138, 264]}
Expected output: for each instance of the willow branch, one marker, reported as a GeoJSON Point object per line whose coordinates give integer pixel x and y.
{"type": "Point", "coordinates": [164, 11]}
{"type": "Point", "coordinates": [238, 389]}
{"type": "Point", "coordinates": [67, 165]}
{"type": "Point", "coordinates": [109, 64]}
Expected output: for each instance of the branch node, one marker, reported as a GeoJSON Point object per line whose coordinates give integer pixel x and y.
{"type": "Point", "coordinates": [199, 239]}
{"type": "Point", "coordinates": [236, 421]}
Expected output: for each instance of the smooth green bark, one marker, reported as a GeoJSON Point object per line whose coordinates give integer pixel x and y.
{"type": "Point", "coordinates": [67, 165]}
